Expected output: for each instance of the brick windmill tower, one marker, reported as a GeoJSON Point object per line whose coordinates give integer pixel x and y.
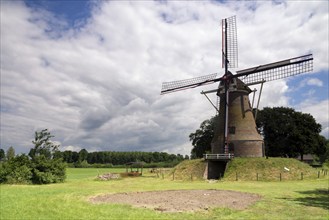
{"type": "Point", "coordinates": [235, 133]}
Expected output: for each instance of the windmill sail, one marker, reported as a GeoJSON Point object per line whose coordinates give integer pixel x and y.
{"type": "Point", "coordinates": [229, 42]}
{"type": "Point", "coordinates": [168, 87]}
{"type": "Point", "coordinates": [277, 70]}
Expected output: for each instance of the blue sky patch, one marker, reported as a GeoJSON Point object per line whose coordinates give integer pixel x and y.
{"type": "Point", "coordinates": [308, 86]}
{"type": "Point", "coordinates": [75, 12]}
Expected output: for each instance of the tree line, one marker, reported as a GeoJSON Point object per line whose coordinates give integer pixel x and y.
{"type": "Point", "coordinates": [117, 157]}
{"type": "Point", "coordinates": [104, 157]}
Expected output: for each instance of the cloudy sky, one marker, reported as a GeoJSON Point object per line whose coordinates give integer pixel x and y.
{"type": "Point", "coordinates": [91, 72]}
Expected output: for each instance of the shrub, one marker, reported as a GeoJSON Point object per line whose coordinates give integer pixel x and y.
{"type": "Point", "coordinates": [42, 168]}
{"type": "Point", "coordinates": [17, 170]}
{"type": "Point", "coordinates": [47, 171]}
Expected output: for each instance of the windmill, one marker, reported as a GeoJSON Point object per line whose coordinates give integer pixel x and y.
{"type": "Point", "coordinates": [236, 133]}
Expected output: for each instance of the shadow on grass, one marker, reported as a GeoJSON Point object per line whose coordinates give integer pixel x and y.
{"type": "Point", "coordinates": [316, 198]}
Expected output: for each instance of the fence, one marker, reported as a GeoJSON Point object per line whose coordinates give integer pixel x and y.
{"type": "Point", "coordinates": [282, 176]}
{"type": "Point", "coordinates": [256, 176]}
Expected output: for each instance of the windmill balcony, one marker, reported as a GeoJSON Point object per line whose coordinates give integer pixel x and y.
{"type": "Point", "coordinates": [228, 156]}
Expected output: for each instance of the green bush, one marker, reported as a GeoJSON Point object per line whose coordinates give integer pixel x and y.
{"type": "Point", "coordinates": [39, 170]}
{"type": "Point", "coordinates": [82, 164]}
{"type": "Point", "coordinates": [43, 167]}
{"type": "Point", "coordinates": [47, 171]}
{"type": "Point", "coordinates": [17, 170]}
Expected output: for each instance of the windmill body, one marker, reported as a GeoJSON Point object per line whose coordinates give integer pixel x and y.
{"type": "Point", "coordinates": [243, 138]}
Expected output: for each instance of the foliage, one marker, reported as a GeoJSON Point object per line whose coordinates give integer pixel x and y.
{"type": "Point", "coordinates": [17, 170]}
{"type": "Point", "coordinates": [202, 137]}
{"type": "Point", "coordinates": [43, 145]}
{"type": "Point", "coordinates": [325, 157]}
{"type": "Point", "coordinates": [2, 154]}
{"type": "Point", "coordinates": [290, 133]}
{"type": "Point", "coordinates": [85, 164]}
{"type": "Point", "coordinates": [113, 158]}
{"type": "Point", "coordinates": [83, 155]}
{"type": "Point", "coordinates": [10, 153]}
{"type": "Point", "coordinates": [47, 171]}
{"type": "Point", "coordinates": [41, 168]}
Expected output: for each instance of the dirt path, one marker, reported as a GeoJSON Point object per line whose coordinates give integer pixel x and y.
{"type": "Point", "coordinates": [181, 200]}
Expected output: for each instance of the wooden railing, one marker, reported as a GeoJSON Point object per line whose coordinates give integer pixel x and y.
{"type": "Point", "coordinates": [218, 156]}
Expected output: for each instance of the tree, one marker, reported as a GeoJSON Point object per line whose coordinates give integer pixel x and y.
{"type": "Point", "coordinates": [323, 154]}
{"type": "Point", "coordinates": [2, 154]}
{"type": "Point", "coordinates": [44, 166]}
{"type": "Point", "coordinates": [83, 155]}
{"type": "Point", "coordinates": [289, 133]}
{"type": "Point", "coordinates": [43, 145]}
{"type": "Point", "coordinates": [10, 153]}
{"type": "Point", "coordinates": [202, 137]}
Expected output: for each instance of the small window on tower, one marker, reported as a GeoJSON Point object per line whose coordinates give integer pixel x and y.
{"type": "Point", "coordinates": [231, 130]}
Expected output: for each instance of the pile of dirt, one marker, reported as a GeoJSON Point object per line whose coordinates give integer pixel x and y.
{"type": "Point", "coordinates": [181, 200]}
{"type": "Point", "coordinates": [108, 176]}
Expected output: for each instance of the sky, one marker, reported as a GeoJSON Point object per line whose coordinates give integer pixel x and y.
{"type": "Point", "coordinates": [91, 71]}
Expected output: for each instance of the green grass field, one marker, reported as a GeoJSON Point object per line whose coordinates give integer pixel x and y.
{"type": "Point", "coordinates": [307, 199]}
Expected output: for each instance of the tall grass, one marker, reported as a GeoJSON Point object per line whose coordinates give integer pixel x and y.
{"type": "Point", "coordinates": [280, 200]}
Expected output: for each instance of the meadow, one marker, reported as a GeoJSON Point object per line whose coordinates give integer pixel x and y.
{"type": "Point", "coordinates": [300, 199]}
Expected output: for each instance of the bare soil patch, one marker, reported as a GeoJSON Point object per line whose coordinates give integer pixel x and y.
{"type": "Point", "coordinates": [181, 200]}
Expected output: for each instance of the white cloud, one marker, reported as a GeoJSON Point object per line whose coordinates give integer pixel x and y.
{"type": "Point", "coordinates": [97, 87]}
{"type": "Point", "coordinates": [71, 148]}
{"type": "Point", "coordinates": [314, 82]}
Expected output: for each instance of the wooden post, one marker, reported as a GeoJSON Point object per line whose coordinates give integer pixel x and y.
{"type": "Point", "coordinates": [236, 176]}
{"type": "Point", "coordinates": [257, 176]}
{"type": "Point", "coordinates": [318, 174]}
{"type": "Point", "coordinates": [280, 177]}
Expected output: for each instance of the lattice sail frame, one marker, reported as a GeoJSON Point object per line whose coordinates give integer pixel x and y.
{"type": "Point", "coordinates": [230, 42]}
{"type": "Point", "coordinates": [168, 87]}
{"type": "Point", "coordinates": [277, 70]}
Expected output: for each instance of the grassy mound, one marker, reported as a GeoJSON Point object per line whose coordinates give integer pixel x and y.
{"type": "Point", "coordinates": [268, 169]}
{"type": "Point", "coordinates": [189, 169]}
{"type": "Point", "coordinates": [248, 169]}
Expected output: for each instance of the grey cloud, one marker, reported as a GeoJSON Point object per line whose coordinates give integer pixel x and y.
{"type": "Point", "coordinates": [94, 117]}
